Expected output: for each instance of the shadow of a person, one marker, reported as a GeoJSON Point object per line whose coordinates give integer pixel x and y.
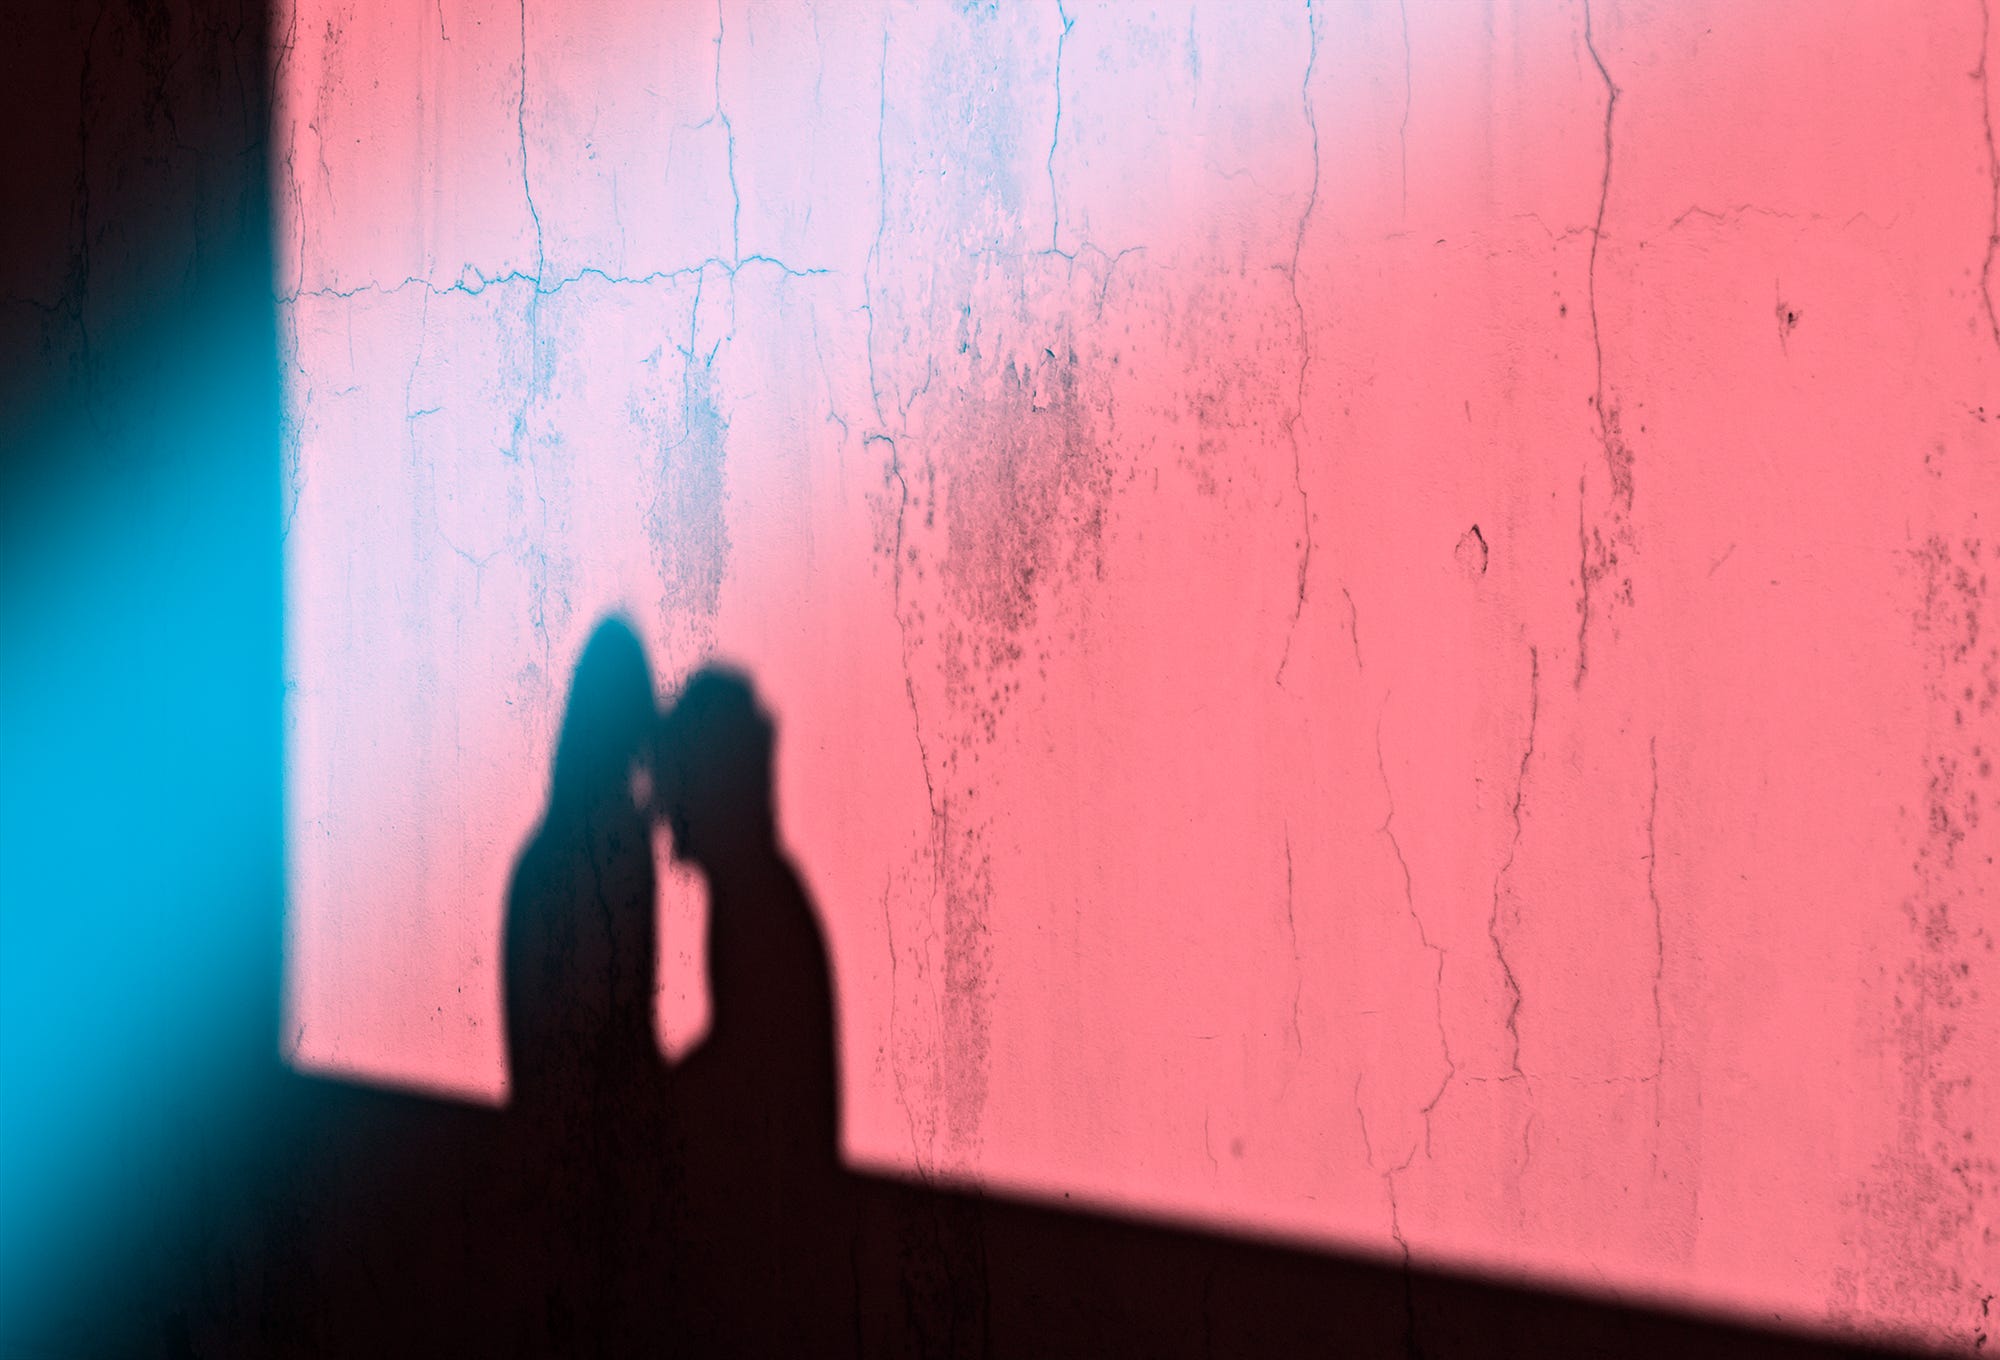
{"type": "Point", "coordinates": [759, 1100]}
{"type": "Point", "coordinates": [589, 1163]}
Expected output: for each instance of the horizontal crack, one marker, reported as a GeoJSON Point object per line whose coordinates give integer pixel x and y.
{"type": "Point", "coordinates": [544, 287]}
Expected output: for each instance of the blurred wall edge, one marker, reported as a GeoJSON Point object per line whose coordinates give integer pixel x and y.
{"type": "Point", "coordinates": [140, 696]}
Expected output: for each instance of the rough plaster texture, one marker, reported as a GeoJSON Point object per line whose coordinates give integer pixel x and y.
{"type": "Point", "coordinates": [1379, 615]}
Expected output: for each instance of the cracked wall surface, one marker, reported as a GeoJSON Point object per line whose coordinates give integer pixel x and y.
{"type": "Point", "coordinates": [1378, 614]}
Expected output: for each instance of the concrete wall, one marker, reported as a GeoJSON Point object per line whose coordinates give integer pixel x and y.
{"type": "Point", "coordinates": [1379, 615]}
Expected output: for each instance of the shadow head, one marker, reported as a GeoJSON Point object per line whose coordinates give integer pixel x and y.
{"type": "Point", "coordinates": [714, 778]}
{"type": "Point", "coordinates": [607, 727]}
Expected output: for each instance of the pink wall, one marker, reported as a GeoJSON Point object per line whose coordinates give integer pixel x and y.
{"type": "Point", "coordinates": [1379, 618]}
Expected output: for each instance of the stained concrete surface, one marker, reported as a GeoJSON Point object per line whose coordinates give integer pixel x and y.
{"type": "Point", "coordinates": [1379, 615]}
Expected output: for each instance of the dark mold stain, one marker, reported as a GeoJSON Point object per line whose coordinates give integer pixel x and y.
{"type": "Point", "coordinates": [688, 521]}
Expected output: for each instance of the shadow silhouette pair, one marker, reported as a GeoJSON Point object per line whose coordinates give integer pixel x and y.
{"type": "Point", "coordinates": [623, 1206]}
{"type": "Point", "coordinates": [751, 1186]}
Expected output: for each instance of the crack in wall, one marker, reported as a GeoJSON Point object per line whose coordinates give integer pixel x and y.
{"type": "Point", "coordinates": [1388, 1175]}
{"type": "Point", "coordinates": [874, 259]}
{"type": "Point", "coordinates": [903, 632]}
{"type": "Point", "coordinates": [917, 1146]}
{"type": "Point", "coordinates": [1735, 212]}
{"type": "Point", "coordinates": [1055, 131]}
{"type": "Point", "coordinates": [1305, 348]}
{"type": "Point", "coordinates": [1387, 829]}
{"type": "Point", "coordinates": [833, 415]}
{"type": "Point", "coordinates": [1353, 627]}
{"type": "Point", "coordinates": [1072, 257]}
{"type": "Point", "coordinates": [720, 115]}
{"type": "Point", "coordinates": [480, 282]}
{"type": "Point", "coordinates": [521, 130]}
{"type": "Point", "coordinates": [1597, 236]}
{"type": "Point", "coordinates": [1409, 98]}
{"type": "Point", "coordinates": [1617, 455]}
{"type": "Point", "coordinates": [1586, 575]}
{"type": "Point", "coordinates": [936, 828]}
{"type": "Point", "coordinates": [1506, 865]}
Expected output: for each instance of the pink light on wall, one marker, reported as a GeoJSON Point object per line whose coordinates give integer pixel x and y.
{"type": "Point", "coordinates": [1377, 615]}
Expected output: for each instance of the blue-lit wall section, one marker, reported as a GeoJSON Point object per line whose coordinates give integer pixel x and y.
{"type": "Point", "coordinates": [140, 882]}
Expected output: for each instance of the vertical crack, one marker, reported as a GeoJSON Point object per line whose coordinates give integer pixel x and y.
{"type": "Point", "coordinates": [1617, 457]}
{"type": "Point", "coordinates": [410, 381]}
{"type": "Point", "coordinates": [539, 573]}
{"type": "Point", "coordinates": [1055, 130]}
{"type": "Point", "coordinates": [1597, 228]}
{"type": "Point", "coordinates": [874, 259]}
{"type": "Point", "coordinates": [1506, 865]}
{"type": "Point", "coordinates": [1305, 346]}
{"type": "Point", "coordinates": [1388, 830]}
{"type": "Point", "coordinates": [936, 831]}
{"type": "Point", "coordinates": [1353, 626]}
{"type": "Point", "coordinates": [729, 136]}
{"type": "Point", "coordinates": [521, 131]}
{"type": "Point", "coordinates": [1584, 575]}
{"type": "Point", "coordinates": [895, 1062]}
{"type": "Point", "coordinates": [1409, 96]}
{"type": "Point", "coordinates": [1389, 1175]}
{"type": "Point", "coordinates": [902, 627]}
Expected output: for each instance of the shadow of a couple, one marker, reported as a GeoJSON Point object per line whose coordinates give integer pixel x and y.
{"type": "Point", "coordinates": [734, 1150]}
{"type": "Point", "coordinates": [621, 1205]}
